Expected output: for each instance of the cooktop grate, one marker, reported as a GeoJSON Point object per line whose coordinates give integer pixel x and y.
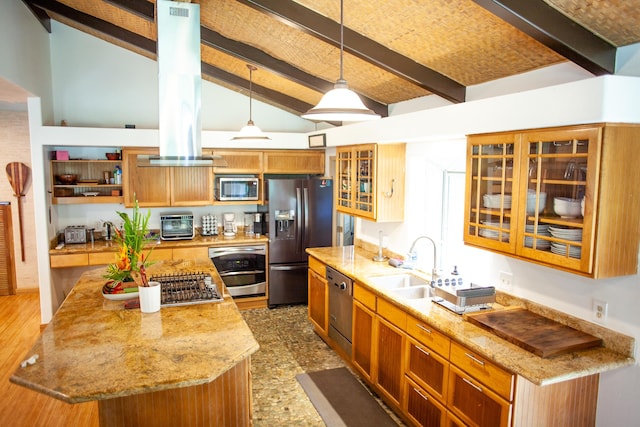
{"type": "Point", "coordinates": [187, 288]}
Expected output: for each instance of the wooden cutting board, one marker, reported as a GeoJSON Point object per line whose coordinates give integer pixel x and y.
{"type": "Point", "coordinates": [537, 334]}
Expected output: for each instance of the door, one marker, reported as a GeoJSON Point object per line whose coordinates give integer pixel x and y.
{"type": "Point", "coordinates": [318, 213]}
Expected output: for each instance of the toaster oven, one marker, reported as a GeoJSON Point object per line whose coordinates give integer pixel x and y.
{"type": "Point", "coordinates": [177, 226]}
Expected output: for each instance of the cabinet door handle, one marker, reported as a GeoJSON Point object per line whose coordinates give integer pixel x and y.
{"type": "Point", "coordinates": [424, 396]}
{"type": "Point", "coordinates": [478, 361]}
{"type": "Point", "coordinates": [423, 328]}
{"type": "Point", "coordinates": [472, 385]}
{"type": "Point", "coordinates": [425, 352]}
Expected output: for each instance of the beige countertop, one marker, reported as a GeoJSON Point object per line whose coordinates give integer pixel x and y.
{"type": "Point", "coordinates": [199, 240]}
{"type": "Point", "coordinates": [96, 349]}
{"type": "Point", "coordinates": [617, 350]}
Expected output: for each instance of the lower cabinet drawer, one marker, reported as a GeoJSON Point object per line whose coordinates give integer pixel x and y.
{"type": "Point", "coordinates": [68, 260]}
{"type": "Point", "coordinates": [501, 381]}
{"type": "Point", "coordinates": [426, 368]}
{"type": "Point", "coordinates": [474, 403]}
{"type": "Point", "coordinates": [102, 258]}
{"type": "Point", "coordinates": [422, 408]}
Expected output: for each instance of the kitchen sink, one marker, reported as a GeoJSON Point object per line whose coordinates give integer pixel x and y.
{"type": "Point", "coordinates": [397, 281]}
{"type": "Point", "coordinates": [412, 292]}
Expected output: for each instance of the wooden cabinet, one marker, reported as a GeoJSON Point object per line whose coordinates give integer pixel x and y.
{"type": "Point", "coordinates": [200, 252]}
{"type": "Point", "coordinates": [480, 393]}
{"type": "Point", "coordinates": [364, 305]}
{"type": "Point", "coordinates": [517, 183]}
{"type": "Point", "coordinates": [426, 361]}
{"type": "Point", "coordinates": [370, 181]}
{"type": "Point", "coordinates": [318, 307]}
{"type": "Point", "coordinates": [422, 408]}
{"type": "Point", "coordinates": [238, 161]}
{"type": "Point", "coordinates": [90, 186]}
{"type": "Point", "coordinates": [294, 161]}
{"type": "Point", "coordinates": [389, 350]}
{"type": "Point", "coordinates": [164, 186]}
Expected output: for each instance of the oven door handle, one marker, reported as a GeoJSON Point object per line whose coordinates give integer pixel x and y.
{"type": "Point", "coordinates": [288, 267]}
{"type": "Point", "coordinates": [228, 251]}
{"type": "Point", "coordinates": [240, 273]}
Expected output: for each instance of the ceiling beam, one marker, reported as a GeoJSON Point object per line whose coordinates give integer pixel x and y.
{"type": "Point", "coordinates": [141, 8]}
{"type": "Point", "coordinates": [553, 29]}
{"type": "Point", "coordinates": [279, 98]}
{"type": "Point", "coordinates": [327, 30]}
{"type": "Point", "coordinates": [40, 15]}
{"type": "Point", "coordinates": [96, 24]}
{"type": "Point", "coordinates": [256, 56]}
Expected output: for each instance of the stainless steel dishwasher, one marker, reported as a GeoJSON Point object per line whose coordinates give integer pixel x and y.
{"type": "Point", "coordinates": [340, 308]}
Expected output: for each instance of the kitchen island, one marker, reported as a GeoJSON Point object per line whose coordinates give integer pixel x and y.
{"type": "Point", "coordinates": [183, 365]}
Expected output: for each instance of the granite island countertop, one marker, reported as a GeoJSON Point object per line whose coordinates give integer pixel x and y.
{"type": "Point", "coordinates": [96, 349]}
{"type": "Point", "coordinates": [617, 350]}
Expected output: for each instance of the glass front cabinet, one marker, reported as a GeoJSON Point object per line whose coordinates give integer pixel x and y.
{"type": "Point", "coordinates": [562, 197]}
{"type": "Point", "coordinates": [370, 181]}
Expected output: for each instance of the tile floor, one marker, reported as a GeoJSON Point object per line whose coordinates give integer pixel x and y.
{"type": "Point", "coordinates": [288, 346]}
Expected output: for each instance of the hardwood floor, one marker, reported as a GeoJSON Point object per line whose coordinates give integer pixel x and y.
{"type": "Point", "coordinates": [19, 406]}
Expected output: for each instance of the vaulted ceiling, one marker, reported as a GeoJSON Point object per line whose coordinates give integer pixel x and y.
{"type": "Point", "coordinates": [394, 50]}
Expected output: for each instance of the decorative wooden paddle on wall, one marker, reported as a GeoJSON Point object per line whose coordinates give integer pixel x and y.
{"type": "Point", "coordinates": [18, 174]}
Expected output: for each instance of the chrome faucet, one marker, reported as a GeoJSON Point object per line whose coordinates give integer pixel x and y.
{"type": "Point", "coordinates": [435, 272]}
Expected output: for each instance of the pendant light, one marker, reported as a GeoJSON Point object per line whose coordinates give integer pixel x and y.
{"type": "Point", "coordinates": [250, 131]}
{"type": "Point", "coordinates": [340, 104]}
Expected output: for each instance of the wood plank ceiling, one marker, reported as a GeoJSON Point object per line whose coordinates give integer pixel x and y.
{"type": "Point", "coordinates": [395, 50]}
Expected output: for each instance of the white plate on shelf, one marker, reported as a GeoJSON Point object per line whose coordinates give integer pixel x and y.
{"type": "Point", "coordinates": [90, 193]}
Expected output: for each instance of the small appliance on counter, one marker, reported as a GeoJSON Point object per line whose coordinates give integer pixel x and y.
{"type": "Point", "coordinates": [209, 225]}
{"type": "Point", "coordinates": [260, 221]}
{"type": "Point", "coordinates": [75, 234]}
{"type": "Point", "coordinates": [452, 294]}
{"type": "Point", "coordinates": [229, 224]}
{"type": "Point", "coordinates": [176, 226]}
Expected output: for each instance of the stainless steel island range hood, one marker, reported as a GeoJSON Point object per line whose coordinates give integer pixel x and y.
{"type": "Point", "coordinates": [179, 93]}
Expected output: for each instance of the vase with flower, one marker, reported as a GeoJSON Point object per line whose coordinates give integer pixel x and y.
{"type": "Point", "coordinates": [129, 271]}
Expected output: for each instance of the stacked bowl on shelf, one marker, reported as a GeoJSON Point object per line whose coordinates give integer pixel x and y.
{"type": "Point", "coordinates": [566, 207]}
{"type": "Point", "coordinates": [494, 201]}
{"type": "Point", "coordinates": [531, 202]}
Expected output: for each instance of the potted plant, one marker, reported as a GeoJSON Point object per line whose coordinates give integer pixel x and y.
{"type": "Point", "coordinates": [131, 260]}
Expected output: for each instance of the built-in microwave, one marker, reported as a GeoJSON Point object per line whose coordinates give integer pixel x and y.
{"type": "Point", "coordinates": [236, 188]}
{"type": "Point", "coordinates": [176, 226]}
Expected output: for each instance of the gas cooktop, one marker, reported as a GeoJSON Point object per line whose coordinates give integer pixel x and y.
{"type": "Point", "coordinates": [187, 288]}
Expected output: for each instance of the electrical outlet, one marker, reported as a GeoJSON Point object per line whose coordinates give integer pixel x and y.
{"type": "Point", "coordinates": [506, 279]}
{"type": "Point", "coordinates": [600, 309]}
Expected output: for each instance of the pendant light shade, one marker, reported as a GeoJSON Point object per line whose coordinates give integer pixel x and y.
{"type": "Point", "coordinates": [340, 104]}
{"type": "Point", "coordinates": [250, 131]}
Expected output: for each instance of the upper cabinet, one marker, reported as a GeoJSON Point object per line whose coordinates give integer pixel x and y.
{"type": "Point", "coordinates": [90, 184]}
{"type": "Point", "coordinates": [370, 181]}
{"type": "Point", "coordinates": [164, 186]}
{"type": "Point", "coordinates": [294, 161]}
{"type": "Point", "coordinates": [238, 161]}
{"type": "Point", "coordinates": [562, 197]}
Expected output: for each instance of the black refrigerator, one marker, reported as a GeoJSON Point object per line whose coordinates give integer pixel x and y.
{"type": "Point", "coordinates": [300, 217]}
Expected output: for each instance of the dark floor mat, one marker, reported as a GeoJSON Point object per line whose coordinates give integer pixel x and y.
{"type": "Point", "coordinates": [342, 401]}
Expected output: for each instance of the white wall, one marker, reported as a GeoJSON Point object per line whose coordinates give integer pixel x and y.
{"type": "Point", "coordinates": [24, 53]}
{"type": "Point", "coordinates": [102, 85]}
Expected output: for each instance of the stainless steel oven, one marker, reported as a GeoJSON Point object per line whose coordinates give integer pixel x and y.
{"type": "Point", "coordinates": [242, 268]}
